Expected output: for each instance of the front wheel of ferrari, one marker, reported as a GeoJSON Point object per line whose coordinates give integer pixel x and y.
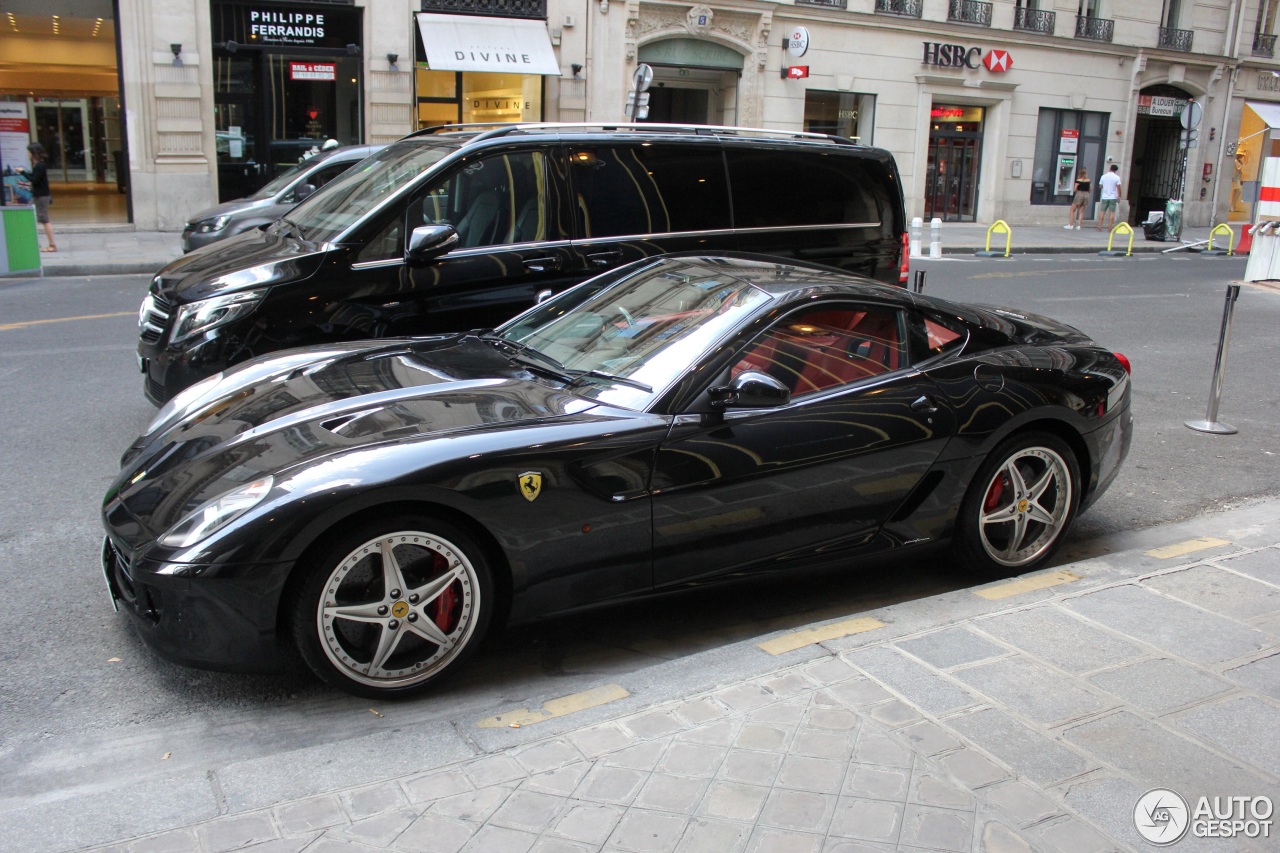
{"type": "Point", "coordinates": [393, 606]}
{"type": "Point", "coordinates": [1019, 506]}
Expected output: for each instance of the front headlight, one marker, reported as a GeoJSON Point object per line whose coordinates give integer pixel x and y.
{"type": "Point", "coordinates": [212, 516]}
{"type": "Point", "coordinates": [208, 226]}
{"type": "Point", "coordinates": [198, 317]}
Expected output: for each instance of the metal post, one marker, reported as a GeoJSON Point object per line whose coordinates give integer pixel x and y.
{"type": "Point", "coordinates": [1210, 422]}
{"type": "Point", "coordinates": [918, 285]}
{"type": "Point", "coordinates": [935, 238]}
{"type": "Point", "coordinates": [916, 225]}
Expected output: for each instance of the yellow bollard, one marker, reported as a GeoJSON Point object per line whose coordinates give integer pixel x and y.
{"type": "Point", "coordinates": [1121, 228]}
{"type": "Point", "coordinates": [1231, 241]}
{"type": "Point", "coordinates": [998, 227]}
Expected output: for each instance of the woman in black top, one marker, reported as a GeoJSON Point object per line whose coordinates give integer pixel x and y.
{"type": "Point", "coordinates": [38, 177]}
{"type": "Point", "coordinates": [1080, 200]}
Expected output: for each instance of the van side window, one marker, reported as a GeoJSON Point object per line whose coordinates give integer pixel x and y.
{"type": "Point", "coordinates": [775, 188]}
{"type": "Point", "coordinates": [493, 201]}
{"type": "Point", "coordinates": [816, 349]}
{"type": "Point", "coordinates": [648, 189]}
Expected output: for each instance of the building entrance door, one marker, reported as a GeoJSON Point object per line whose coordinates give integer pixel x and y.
{"type": "Point", "coordinates": [954, 164]}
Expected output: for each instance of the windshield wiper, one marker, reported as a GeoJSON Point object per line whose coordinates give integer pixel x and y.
{"type": "Point", "coordinates": [611, 377]}
{"type": "Point", "coordinates": [529, 354]}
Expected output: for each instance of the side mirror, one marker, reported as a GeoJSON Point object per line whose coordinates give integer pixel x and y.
{"type": "Point", "coordinates": [430, 241]}
{"type": "Point", "coordinates": [751, 389]}
{"type": "Point", "coordinates": [302, 191]}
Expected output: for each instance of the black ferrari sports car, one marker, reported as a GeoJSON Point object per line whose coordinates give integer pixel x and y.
{"type": "Point", "coordinates": [377, 506]}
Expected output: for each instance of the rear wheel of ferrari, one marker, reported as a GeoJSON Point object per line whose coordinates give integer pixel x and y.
{"type": "Point", "coordinates": [1019, 507]}
{"type": "Point", "coordinates": [393, 606]}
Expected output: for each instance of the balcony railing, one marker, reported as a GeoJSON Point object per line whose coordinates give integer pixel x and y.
{"type": "Point", "coordinates": [827, 4]}
{"type": "Point", "coordinates": [969, 12]}
{"type": "Point", "coordinates": [1264, 45]}
{"type": "Point", "coordinates": [905, 8]}
{"type": "Point", "coordinates": [1175, 39]}
{"type": "Point", "coordinates": [1097, 29]}
{"type": "Point", "coordinates": [1033, 20]}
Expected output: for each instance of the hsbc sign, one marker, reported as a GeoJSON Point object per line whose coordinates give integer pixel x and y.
{"type": "Point", "coordinates": [959, 56]}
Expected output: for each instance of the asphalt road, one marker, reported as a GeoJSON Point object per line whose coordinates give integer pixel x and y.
{"type": "Point", "coordinates": [83, 704]}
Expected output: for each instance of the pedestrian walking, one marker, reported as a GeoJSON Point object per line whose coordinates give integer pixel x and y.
{"type": "Point", "coordinates": [1080, 200]}
{"type": "Point", "coordinates": [1109, 204]}
{"type": "Point", "coordinates": [38, 180]}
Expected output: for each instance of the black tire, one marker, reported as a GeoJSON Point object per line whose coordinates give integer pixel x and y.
{"type": "Point", "coordinates": [377, 628]}
{"type": "Point", "coordinates": [1019, 506]}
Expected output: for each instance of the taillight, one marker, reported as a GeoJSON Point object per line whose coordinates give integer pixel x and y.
{"type": "Point", "coordinates": [904, 271]}
{"type": "Point", "coordinates": [1124, 362]}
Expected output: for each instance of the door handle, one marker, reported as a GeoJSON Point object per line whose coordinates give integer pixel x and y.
{"type": "Point", "coordinates": [604, 259]}
{"type": "Point", "coordinates": [924, 405]}
{"type": "Point", "coordinates": [542, 264]}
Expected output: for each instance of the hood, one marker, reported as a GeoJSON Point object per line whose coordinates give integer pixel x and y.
{"type": "Point", "coordinates": [246, 261]}
{"type": "Point", "coordinates": [280, 413]}
{"type": "Point", "coordinates": [239, 205]}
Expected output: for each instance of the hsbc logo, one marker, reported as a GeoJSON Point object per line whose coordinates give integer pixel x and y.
{"type": "Point", "coordinates": [959, 56]}
{"type": "Point", "coordinates": [998, 61]}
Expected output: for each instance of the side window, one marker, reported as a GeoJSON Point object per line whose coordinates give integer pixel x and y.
{"type": "Point", "coordinates": [941, 336]}
{"type": "Point", "coordinates": [649, 189]}
{"type": "Point", "coordinates": [319, 178]}
{"type": "Point", "coordinates": [775, 188]}
{"type": "Point", "coordinates": [491, 202]}
{"type": "Point", "coordinates": [820, 348]}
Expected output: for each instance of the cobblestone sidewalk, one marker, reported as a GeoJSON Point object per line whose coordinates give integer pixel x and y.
{"type": "Point", "coordinates": [1035, 725]}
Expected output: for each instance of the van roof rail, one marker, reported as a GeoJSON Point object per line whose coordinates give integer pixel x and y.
{"type": "Point", "coordinates": [502, 129]}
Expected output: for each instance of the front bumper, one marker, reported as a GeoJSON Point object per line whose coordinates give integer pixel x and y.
{"type": "Point", "coordinates": [210, 617]}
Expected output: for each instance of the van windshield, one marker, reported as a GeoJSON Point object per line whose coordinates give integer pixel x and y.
{"type": "Point", "coordinates": [348, 197]}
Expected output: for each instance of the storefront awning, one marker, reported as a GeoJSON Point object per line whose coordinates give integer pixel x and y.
{"type": "Point", "coordinates": [472, 43]}
{"type": "Point", "coordinates": [1269, 113]}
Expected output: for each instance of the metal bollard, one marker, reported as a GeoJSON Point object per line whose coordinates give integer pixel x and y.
{"type": "Point", "coordinates": [918, 285]}
{"type": "Point", "coordinates": [1210, 422]}
{"type": "Point", "coordinates": [916, 224]}
{"type": "Point", "coordinates": [935, 238]}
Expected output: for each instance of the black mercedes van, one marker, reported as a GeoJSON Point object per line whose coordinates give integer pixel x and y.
{"type": "Point", "coordinates": [453, 229]}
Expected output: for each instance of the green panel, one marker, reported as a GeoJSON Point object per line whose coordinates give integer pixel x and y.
{"type": "Point", "coordinates": [692, 53]}
{"type": "Point", "coordinates": [21, 246]}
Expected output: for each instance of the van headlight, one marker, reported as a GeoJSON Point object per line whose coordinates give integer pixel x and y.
{"type": "Point", "coordinates": [211, 516]}
{"type": "Point", "coordinates": [208, 226]}
{"type": "Point", "coordinates": [198, 317]}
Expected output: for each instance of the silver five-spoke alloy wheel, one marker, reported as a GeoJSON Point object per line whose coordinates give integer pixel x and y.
{"type": "Point", "coordinates": [1026, 505]}
{"type": "Point", "coordinates": [398, 606]}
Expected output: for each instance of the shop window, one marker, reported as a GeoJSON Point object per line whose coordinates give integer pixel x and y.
{"type": "Point", "coordinates": [848, 114]}
{"type": "Point", "coordinates": [1067, 141]}
{"type": "Point", "coordinates": [645, 189]}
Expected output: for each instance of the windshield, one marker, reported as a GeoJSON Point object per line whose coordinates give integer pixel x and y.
{"type": "Point", "coordinates": [648, 328]}
{"type": "Point", "coordinates": [348, 197]}
{"type": "Point", "coordinates": [281, 181]}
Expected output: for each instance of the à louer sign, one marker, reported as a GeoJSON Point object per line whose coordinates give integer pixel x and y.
{"type": "Point", "coordinates": [959, 56]}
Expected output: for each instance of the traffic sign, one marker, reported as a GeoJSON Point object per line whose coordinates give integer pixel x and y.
{"type": "Point", "coordinates": [642, 79]}
{"type": "Point", "coordinates": [1191, 115]}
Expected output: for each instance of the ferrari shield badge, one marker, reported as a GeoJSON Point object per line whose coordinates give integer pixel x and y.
{"type": "Point", "coordinates": [530, 485]}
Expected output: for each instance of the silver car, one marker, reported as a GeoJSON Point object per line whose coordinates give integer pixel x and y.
{"type": "Point", "coordinates": [273, 200]}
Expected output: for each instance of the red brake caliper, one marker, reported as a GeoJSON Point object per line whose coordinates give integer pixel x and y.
{"type": "Point", "coordinates": [446, 605]}
{"type": "Point", "coordinates": [995, 494]}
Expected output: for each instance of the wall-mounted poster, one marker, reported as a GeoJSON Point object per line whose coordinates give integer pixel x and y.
{"type": "Point", "coordinates": [1066, 175]}
{"type": "Point", "coordinates": [1069, 143]}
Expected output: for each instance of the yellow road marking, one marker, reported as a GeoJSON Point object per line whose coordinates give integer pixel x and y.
{"type": "Point", "coordinates": [1028, 584]}
{"type": "Point", "coordinates": [1188, 547]}
{"type": "Point", "coordinates": [809, 636]}
{"type": "Point", "coordinates": [5, 327]}
{"type": "Point", "coordinates": [553, 708]}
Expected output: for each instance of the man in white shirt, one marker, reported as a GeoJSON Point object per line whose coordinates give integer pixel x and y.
{"type": "Point", "coordinates": [1110, 201]}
